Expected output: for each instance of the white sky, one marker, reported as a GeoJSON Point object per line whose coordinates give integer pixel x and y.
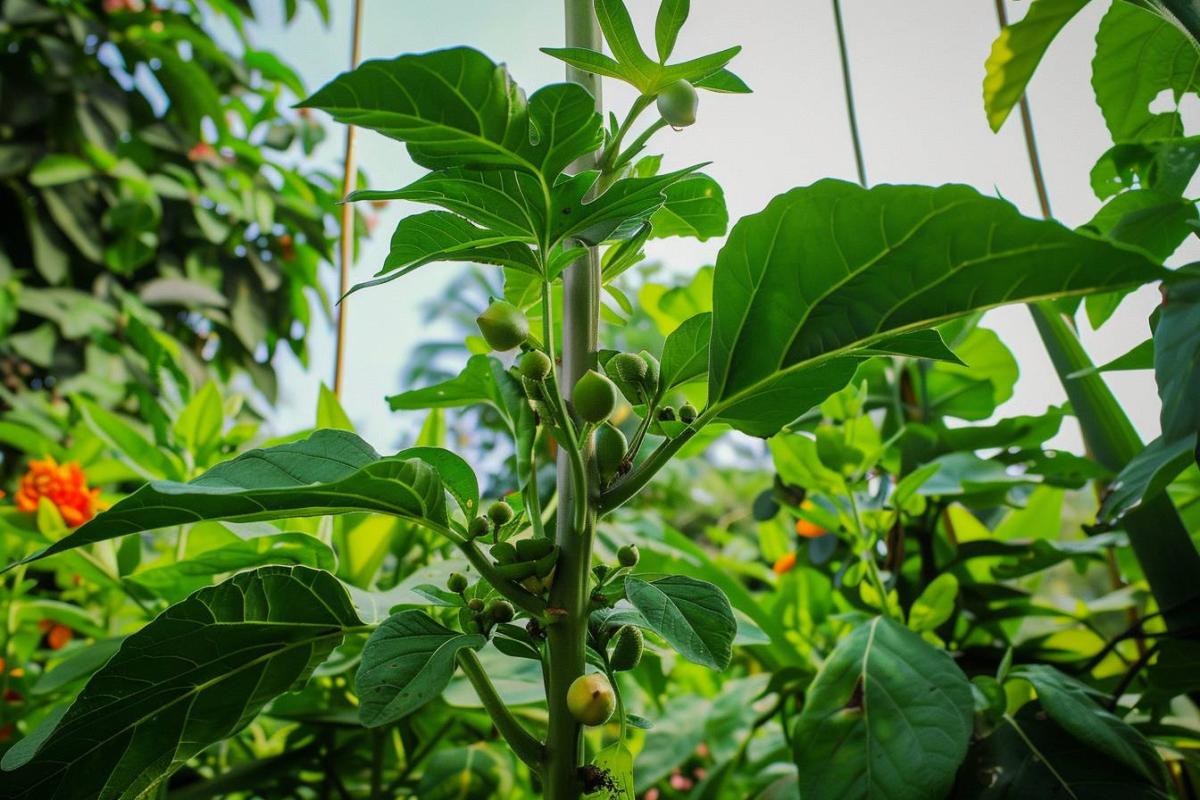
{"type": "Point", "coordinates": [917, 69]}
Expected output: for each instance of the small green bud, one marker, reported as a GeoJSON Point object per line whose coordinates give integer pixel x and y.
{"type": "Point", "coordinates": [500, 512]}
{"type": "Point", "coordinates": [666, 414]}
{"type": "Point", "coordinates": [475, 604]}
{"type": "Point", "coordinates": [629, 367]}
{"type": "Point", "coordinates": [479, 527]}
{"type": "Point", "coordinates": [687, 413]}
{"type": "Point", "coordinates": [503, 325]}
{"type": "Point", "coordinates": [627, 648]}
{"type": "Point", "coordinates": [504, 553]}
{"type": "Point", "coordinates": [535, 365]}
{"type": "Point", "coordinates": [457, 582]}
{"type": "Point", "coordinates": [595, 397]}
{"type": "Point", "coordinates": [501, 611]}
{"type": "Point", "coordinates": [677, 104]}
{"type": "Point", "coordinates": [628, 555]}
{"type": "Point", "coordinates": [610, 451]}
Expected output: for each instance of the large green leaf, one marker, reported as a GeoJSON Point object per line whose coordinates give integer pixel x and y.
{"type": "Point", "coordinates": [1139, 55]}
{"type": "Point", "coordinates": [1177, 360]}
{"type": "Point", "coordinates": [197, 674]}
{"type": "Point", "coordinates": [407, 662]}
{"type": "Point", "coordinates": [1147, 475]}
{"type": "Point", "coordinates": [331, 472]}
{"type": "Point", "coordinates": [693, 616]}
{"type": "Point", "coordinates": [1164, 165]}
{"type": "Point", "coordinates": [1073, 706]}
{"type": "Point", "coordinates": [685, 352]}
{"type": "Point", "coordinates": [1017, 52]}
{"type": "Point", "coordinates": [888, 716]}
{"type": "Point", "coordinates": [694, 207]}
{"type": "Point", "coordinates": [457, 108]}
{"type": "Point", "coordinates": [830, 269]}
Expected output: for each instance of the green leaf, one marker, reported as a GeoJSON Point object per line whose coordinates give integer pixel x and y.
{"type": "Point", "coordinates": [80, 664]}
{"type": "Point", "coordinates": [330, 472]}
{"type": "Point", "coordinates": [1139, 55]}
{"type": "Point", "coordinates": [195, 675]}
{"type": "Point", "coordinates": [1017, 52]}
{"type": "Point", "coordinates": [671, 16]}
{"type": "Point", "coordinates": [694, 617]}
{"type": "Point", "coordinates": [1147, 475]}
{"type": "Point", "coordinates": [685, 353]}
{"type": "Point", "coordinates": [199, 425]}
{"type": "Point", "coordinates": [456, 108]}
{"type": "Point", "coordinates": [622, 40]}
{"type": "Point", "coordinates": [724, 82]}
{"type": "Point", "coordinates": [935, 604]}
{"type": "Point", "coordinates": [615, 764]}
{"type": "Point", "coordinates": [927, 344]}
{"type": "Point", "coordinates": [831, 269]}
{"type": "Point", "coordinates": [1031, 757]}
{"type": "Point", "coordinates": [59, 168]}
{"type": "Point", "coordinates": [618, 213]}
{"type": "Point", "coordinates": [1177, 360]}
{"type": "Point", "coordinates": [407, 662]}
{"type": "Point", "coordinates": [1071, 704]}
{"type": "Point", "coordinates": [587, 60]}
{"type": "Point", "coordinates": [134, 448]}
{"type": "Point", "coordinates": [1165, 166]}
{"type": "Point", "coordinates": [455, 473]}
{"type": "Point", "coordinates": [694, 207]}
{"type": "Point", "coordinates": [330, 413]}
{"type": "Point", "coordinates": [1141, 356]}
{"type": "Point", "coordinates": [888, 716]}
{"type": "Point", "coordinates": [466, 773]}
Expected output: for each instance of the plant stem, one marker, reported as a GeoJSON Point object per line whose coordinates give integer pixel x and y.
{"type": "Point", "coordinates": [566, 636]}
{"type": "Point", "coordinates": [346, 234]}
{"type": "Point", "coordinates": [527, 748]}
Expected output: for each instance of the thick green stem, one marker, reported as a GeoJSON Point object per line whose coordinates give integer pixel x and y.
{"type": "Point", "coordinates": [527, 748]}
{"type": "Point", "coordinates": [567, 633]}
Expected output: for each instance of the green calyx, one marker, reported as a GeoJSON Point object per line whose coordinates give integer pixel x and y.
{"type": "Point", "coordinates": [594, 396]}
{"type": "Point", "coordinates": [677, 104]}
{"type": "Point", "coordinates": [503, 325]}
{"type": "Point", "coordinates": [611, 445]}
{"type": "Point", "coordinates": [535, 365]}
{"type": "Point", "coordinates": [627, 648]}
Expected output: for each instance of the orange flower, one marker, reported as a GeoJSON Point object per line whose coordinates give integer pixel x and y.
{"type": "Point", "coordinates": [806, 529]}
{"type": "Point", "coordinates": [62, 484]}
{"type": "Point", "coordinates": [784, 563]}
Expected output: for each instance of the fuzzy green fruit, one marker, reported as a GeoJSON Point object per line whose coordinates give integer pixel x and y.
{"type": "Point", "coordinates": [611, 445]}
{"type": "Point", "coordinates": [457, 582]}
{"type": "Point", "coordinates": [628, 555]}
{"type": "Point", "coordinates": [501, 611]}
{"type": "Point", "coordinates": [591, 699]}
{"type": "Point", "coordinates": [629, 367]}
{"type": "Point", "coordinates": [479, 527]}
{"type": "Point", "coordinates": [503, 325]}
{"type": "Point", "coordinates": [627, 648]}
{"type": "Point", "coordinates": [687, 413]}
{"type": "Point", "coordinates": [677, 104]}
{"type": "Point", "coordinates": [594, 396]}
{"type": "Point", "coordinates": [475, 604]}
{"type": "Point", "coordinates": [500, 512]}
{"type": "Point", "coordinates": [666, 414]}
{"type": "Point", "coordinates": [535, 365]}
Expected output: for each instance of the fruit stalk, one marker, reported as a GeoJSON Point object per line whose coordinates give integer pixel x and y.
{"type": "Point", "coordinates": [566, 635]}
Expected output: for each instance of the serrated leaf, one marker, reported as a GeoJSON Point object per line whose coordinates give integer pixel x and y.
{"type": "Point", "coordinates": [331, 472]}
{"type": "Point", "coordinates": [694, 617]}
{"type": "Point", "coordinates": [195, 675]}
{"type": "Point", "coordinates": [830, 269]}
{"type": "Point", "coordinates": [407, 662]}
{"type": "Point", "coordinates": [888, 716]}
{"type": "Point", "coordinates": [1017, 52]}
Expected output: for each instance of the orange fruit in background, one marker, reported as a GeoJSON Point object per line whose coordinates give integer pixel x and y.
{"type": "Point", "coordinates": [784, 563]}
{"type": "Point", "coordinates": [806, 529]}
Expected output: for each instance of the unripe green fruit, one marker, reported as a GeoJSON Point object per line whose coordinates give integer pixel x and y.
{"type": "Point", "coordinates": [628, 555]}
{"type": "Point", "coordinates": [595, 397]}
{"type": "Point", "coordinates": [627, 648]}
{"type": "Point", "coordinates": [503, 325]}
{"type": "Point", "coordinates": [666, 414]}
{"type": "Point", "coordinates": [652, 372]}
{"type": "Point", "coordinates": [457, 582]}
{"type": "Point", "coordinates": [687, 413]}
{"type": "Point", "coordinates": [533, 549]}
{"type": "Point", "coordinates": [629, 367]}
{"type": "Point", "coordinates": [479, 527]}
{"type": "Point", "coordinates": [475, 604]}
{"type": "Point", "coordinates": [591, 699]}
{"type": "Point", "coordinates": [504, 553]}
{"type": "Point", "coordinates": [500, 512]}
{"type": "Point", "coordinates": [535, 365]}
{"type": "Point", "coordinates": [611, 445]}
{"type": "Point", "coordinates": [677, 104]}
{"type": "Point", "coordinates": [501, 611]}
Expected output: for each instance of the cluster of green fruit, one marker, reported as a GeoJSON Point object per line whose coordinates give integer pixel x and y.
{"type": "Point", "coordinates": [591, 697]}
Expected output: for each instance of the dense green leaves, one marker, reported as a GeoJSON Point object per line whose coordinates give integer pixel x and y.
{"type": "Point", "coordinates": [831, 269]}
{"type": "Point", "coordinates": [1017, 52]}
{"type": "Point", "coordinates": [693, 616]}
{"type": "Point", "coordinates": [331, 472]}
{"type": "Point", "coordinates": [406, 663]}
{"type": "Point", "coordinates": [1177, 360]}
{"type": "Point", "coordinates": [195, 675]}
{"type": "Point", "coordinates": [456, 108]}
{"type": "Point", "coordinates": [1147, 475]}
{"type": "Point", "coordinates": [887, 716]}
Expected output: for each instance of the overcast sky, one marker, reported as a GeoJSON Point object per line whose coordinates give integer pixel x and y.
{"type": "Point", "coordinates": [917, 69]}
